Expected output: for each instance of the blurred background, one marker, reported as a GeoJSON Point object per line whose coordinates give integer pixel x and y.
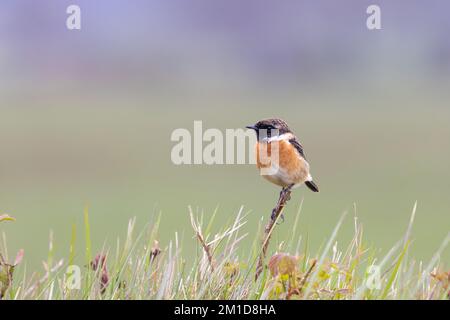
{"type": "Point", "coordinates": [86, 116]}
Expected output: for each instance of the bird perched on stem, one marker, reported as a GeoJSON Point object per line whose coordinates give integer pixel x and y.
{"type": "Point", "coordinates": [280, 156]}
{"type": "Point", "coordinates": [281, 160]}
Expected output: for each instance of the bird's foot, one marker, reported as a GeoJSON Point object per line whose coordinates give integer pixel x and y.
{"type": "Point", "coordinates": [286, 192]}
{"type": "Point", "coordinates": [285, 195]}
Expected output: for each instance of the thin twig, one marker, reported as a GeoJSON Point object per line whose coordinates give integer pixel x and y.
{"type": "Point", "coordinates": [308, 273]}
{"type": "Point", "coordinates": [206, 247]}
{"type": "Point", "coordinates": [207, 250]}
{"type": "Point", "coordinates": [285, 195]}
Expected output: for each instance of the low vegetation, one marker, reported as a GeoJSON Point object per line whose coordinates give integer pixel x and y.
{"type": "Point", "coordinates": [143, 268]}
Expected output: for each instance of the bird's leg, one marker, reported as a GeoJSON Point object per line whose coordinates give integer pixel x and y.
{"type": "Point", "coordinates": [287, 192]}
{"type": "Point", "coordinates": [282, 197]}
{"type": "Point", "coordinates": [273, 216]}
{"type": "Point", "coordinates": [285, 196]}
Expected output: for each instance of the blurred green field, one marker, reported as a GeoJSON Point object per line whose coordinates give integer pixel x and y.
{"type": "Point", "coordinates": [376, 150]}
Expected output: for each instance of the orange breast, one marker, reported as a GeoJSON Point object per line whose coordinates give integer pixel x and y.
{"type": "Point", "coordinates": [293, 168]}
{"type": "Point", "coordinates": [263, 154]}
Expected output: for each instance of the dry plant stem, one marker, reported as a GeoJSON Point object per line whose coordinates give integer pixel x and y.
{"type": "Point", "coordinates": [207, 250]}
{"type": "Point", "coordinates": [308, 273]}
{"type": "Point", "coordinates": [198, 232]}
{"type": "Point", "coordinates": [285, 195]}
{"type": "Point", "coordinates": [42, 281]}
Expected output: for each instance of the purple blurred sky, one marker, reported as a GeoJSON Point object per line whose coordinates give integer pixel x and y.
{"type": "Point", "coordinates": [251, 41]}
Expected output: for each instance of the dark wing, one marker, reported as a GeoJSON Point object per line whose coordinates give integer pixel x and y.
{"type": "Point", "coordinates": [297, 146]}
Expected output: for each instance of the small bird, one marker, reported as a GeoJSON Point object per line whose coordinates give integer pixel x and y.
{"type": "Point", "coordinates": [290, 169]}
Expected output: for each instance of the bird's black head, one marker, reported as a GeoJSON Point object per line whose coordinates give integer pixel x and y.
{"type": "Point", "coordinates": [270, 127]}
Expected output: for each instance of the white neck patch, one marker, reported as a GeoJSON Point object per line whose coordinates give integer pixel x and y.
{"type": "Point", "coordinates": [284, 136]}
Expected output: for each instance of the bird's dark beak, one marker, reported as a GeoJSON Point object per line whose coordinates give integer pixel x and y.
{"type": "Point", "coordinates": [251, 127]}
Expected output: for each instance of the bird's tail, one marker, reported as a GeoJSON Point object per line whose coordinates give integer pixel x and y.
{"type": "Point", "coordinates": [311, 185]}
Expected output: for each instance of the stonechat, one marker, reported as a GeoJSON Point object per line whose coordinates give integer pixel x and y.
{"type": "Point", "coordinates": [285, 160]}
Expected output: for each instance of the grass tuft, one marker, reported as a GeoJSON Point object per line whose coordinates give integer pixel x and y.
{"type": "Point", "coordinates": [142, 267]}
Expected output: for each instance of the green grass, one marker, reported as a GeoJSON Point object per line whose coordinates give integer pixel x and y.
{"type": "Point", "coordinates": [143, 268]}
